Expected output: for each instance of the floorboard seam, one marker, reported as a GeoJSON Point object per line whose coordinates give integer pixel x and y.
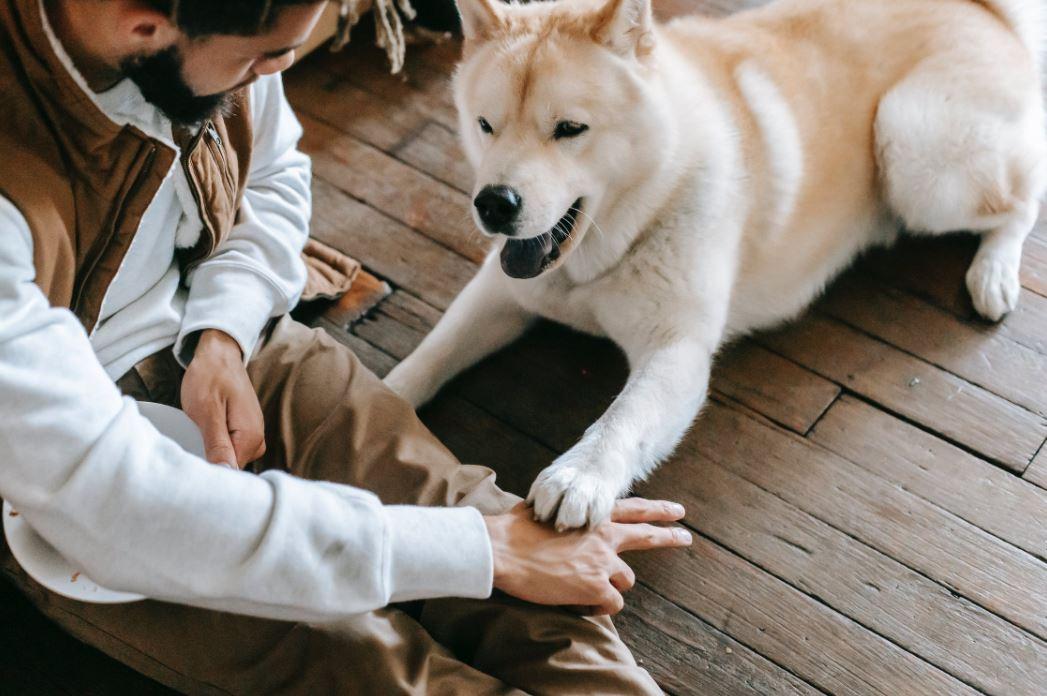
{"type": "Point", "coordinates": [869, 545]}
{"type": "Point", "coordinates": [393, 218]}
{"type": "Point", "coordinates": [828, 606]}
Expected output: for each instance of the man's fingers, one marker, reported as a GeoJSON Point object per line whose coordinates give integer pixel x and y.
{"type": "Point", "coordinates": [638, 537]}
{"type": "Point", "coordinates": [247, 445]}
{"type": "Point", "coordinates": [610, 604]}
{"type": "Point", "coordinates": [642, 510]}
{"type": "Point", "coordinates": [218, 446]}
{"type": "Point", "coordinates": [260, 452]}
{"type": "Point", "coordinates": [624, 579]}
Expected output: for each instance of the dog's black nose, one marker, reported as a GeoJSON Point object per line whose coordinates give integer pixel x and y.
{"type": "Point", "coordinates": [498, 207]}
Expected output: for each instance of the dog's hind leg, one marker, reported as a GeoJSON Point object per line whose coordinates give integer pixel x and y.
{"type": "Point", "coordinates": [961, 146]}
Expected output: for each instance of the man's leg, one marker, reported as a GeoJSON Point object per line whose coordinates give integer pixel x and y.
{"type": "Point", "coordinates": [200, 651]}
{"type": "Point", "coordinates": [330, 418]}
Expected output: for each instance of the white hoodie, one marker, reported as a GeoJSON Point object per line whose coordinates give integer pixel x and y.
{"type": "Point", "coordinates": [130, 507]}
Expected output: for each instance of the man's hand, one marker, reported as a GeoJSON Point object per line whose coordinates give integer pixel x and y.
{"type": "Point", "coordinates": [217, 394]}
{"type": "Point", "coordinates": [580, 568]}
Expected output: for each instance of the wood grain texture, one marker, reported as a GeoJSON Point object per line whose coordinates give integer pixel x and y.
{"type": "Point", "coordinates": [939, 400]}
{"type": "Point", "coordinates": [876, 591]}
{"type": "Point", "coordinates": [687, 655]}
{"type": "Point", "coordinates": [802, 634]}
{"type": "Point", "coordinates": [1037, 471]}
{"type": "Point", "coordinates": [980, 354]}
{"type": "Point", "coordinates": [390, 249]}
{"type": "Point", "coordinates": [435, 149]}
{"type": "Point", "coordinates": [966, 486]}
{"type": "Point", "coordinates": [768, 383]}
{"type": "Point", "coordinates": [998, 576]}
{"type": "Point", "coordinates": [394, 188]}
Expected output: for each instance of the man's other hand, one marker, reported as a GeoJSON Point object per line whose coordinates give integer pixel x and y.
{"type": "Point", "coordinates": [217, 394]}
{"type": "Point", "coordinates": [579, 568]}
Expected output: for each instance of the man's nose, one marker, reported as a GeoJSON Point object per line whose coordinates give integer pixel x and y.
{"type": "Point", "coordinates": [498, 206]}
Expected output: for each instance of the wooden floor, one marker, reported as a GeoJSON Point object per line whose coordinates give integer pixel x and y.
{"type": "Point", "coordinates": [868, 487]}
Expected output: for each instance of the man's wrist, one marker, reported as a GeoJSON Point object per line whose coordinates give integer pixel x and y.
{"type": "Point", "coordinates": [217, 343]}
{"type": "Point", "coordinates": [497, 536]}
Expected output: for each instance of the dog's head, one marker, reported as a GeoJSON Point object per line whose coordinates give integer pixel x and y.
{"type": "Point", "coordinates": [555, 117]}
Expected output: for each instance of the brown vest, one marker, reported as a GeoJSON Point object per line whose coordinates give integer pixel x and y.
{"type": "Point", "coordinates": [83, 183]}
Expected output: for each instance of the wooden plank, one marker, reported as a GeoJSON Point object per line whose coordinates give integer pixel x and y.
{"type": "Point", "coordinates": [424, 86]}
{"type": "Point", "coordinates": [576, 377]}
{"type": "Point", "coordinates": [943, 474]}
{"type": "Point", "coordinates": [1034, 265]}
{"type": "Point", "coordinates": [941, 401]}
{"type": "Point", "coordinates": [374, 359]}
{"type": "Point", "coordinates": [768, 383]}
{"type": "Point", "coordinates": [390, 249]}
{"type": "Point", "coordinates": [398, 325]}
{"type": "Point", "coordinates": [435, 150]}
{"type": "Point", "coordinates": [1026, 323]}
{"type": "Point", "coordinates": [998, 576]}
{"type": "Point", "coordinates": [978, 354]}
{"type": "Point", "coordinates": [398, 190]}
{"type": "Point", "coordinates": [349, 108]}
{"type": "Point", "coordinates": [934, 269]}
{"type": "Point", "coordinates": [1037, 471]}
{"type": "Point", "coordinates": [791, 628]}
{"type": "Point", "coordinates": [688, 656]}
{"type": "Point", "coordinates": [477, 437]}
{"type": "Point", "coordinates": [879, 593]}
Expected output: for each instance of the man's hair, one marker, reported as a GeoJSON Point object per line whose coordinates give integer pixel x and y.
{"type": "Point", "coordinates": [199, 18]}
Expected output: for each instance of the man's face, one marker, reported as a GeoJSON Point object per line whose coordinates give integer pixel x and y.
{"type": "Point", "coordinates": [192, 79]}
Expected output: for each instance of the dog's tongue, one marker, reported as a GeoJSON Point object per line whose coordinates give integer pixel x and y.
{"type": "Point", "coordinates": [524, 258]}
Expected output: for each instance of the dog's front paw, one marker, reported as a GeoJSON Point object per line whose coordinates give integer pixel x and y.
{"type": "Point", "coordinates": [574, 494]}
{"type": "Point", "coordinates": [994, 286]}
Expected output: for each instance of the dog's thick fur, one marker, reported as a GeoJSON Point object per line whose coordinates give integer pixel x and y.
{"type": "Point", "coordinates": [731, 168]}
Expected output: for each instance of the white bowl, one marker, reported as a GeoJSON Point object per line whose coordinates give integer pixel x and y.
{"type": "Point", "coordinates": [42, 561]}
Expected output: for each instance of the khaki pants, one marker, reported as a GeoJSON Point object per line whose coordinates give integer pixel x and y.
{"type": "Point", "coordinates": [329, 418]}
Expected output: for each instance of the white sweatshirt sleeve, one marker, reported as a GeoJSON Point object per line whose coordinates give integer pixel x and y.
{"type": "Point", "coordinates": [257, 273]}
{"type": "Point", "coordinates": [137, 513]}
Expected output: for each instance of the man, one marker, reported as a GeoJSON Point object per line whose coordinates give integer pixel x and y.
{"type": "Point", "coordinates": [152, 210]}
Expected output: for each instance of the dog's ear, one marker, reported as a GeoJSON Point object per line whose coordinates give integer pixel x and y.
{"type": "Point", "coordinates": [480, 18]}
{"type": "Point", "coordinates": [625, 26]}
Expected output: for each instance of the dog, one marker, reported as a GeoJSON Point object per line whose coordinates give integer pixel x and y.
{"type": "Point", "coordinates": [674, 187]}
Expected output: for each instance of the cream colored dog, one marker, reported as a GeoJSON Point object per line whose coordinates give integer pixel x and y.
{"type": "Point", "coordinates": [673, 187]}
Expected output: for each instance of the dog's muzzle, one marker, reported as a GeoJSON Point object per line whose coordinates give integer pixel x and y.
{"type": "Point", "coordinates": [528, 258]}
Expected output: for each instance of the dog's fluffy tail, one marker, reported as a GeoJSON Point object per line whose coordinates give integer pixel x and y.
{"type": "Point", "coordinates": [1028, 19]}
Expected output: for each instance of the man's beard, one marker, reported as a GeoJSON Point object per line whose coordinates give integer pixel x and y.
{"type": "Point", "coordinates": [159, 76]}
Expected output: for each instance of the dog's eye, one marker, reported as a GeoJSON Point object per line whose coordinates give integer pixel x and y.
{"type": "Point", "coordinates": [569, 129]}
{"type": "Point", "coordinates": [484, 125]}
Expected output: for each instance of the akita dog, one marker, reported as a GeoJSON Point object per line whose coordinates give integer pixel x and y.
{"type": "Point", "coordinates": [674, 187]}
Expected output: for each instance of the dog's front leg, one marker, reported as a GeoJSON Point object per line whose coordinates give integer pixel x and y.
{"type": "Point", "coordinates": [482, 319]}
{"type": "Point", "coordinates": [665, 390]}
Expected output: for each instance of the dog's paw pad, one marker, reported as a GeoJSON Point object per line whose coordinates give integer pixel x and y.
{"type": "Point", "coordinates": [572, 496]}
{"type": "Point", "coordinates": [994, 287]}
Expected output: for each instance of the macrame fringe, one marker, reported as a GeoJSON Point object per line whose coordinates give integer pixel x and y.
{"type": "Point", "coordinates": [389, 27]}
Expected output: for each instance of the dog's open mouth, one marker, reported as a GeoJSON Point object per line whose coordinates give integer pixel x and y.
{"type": "Point", "coordinates": [527, 258]}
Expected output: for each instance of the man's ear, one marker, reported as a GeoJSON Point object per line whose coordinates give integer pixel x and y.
{"type": "Point", "coordinates": [480, 18]}
{"type": "Point", "coordinates": [145, 30]}
{"type": "Point", "coordinates": [626, 27]}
